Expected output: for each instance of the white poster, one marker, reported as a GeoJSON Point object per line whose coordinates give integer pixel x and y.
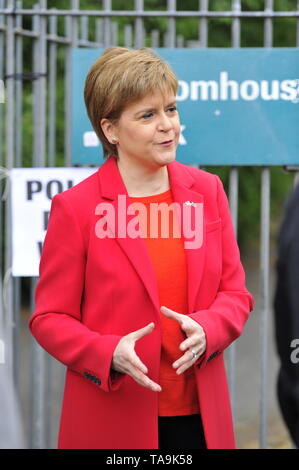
{"type": "Point", "coordinates": [32, 192]}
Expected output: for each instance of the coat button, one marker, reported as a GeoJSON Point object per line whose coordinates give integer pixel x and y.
{"type": "Point", "coordinates": [212, 356]}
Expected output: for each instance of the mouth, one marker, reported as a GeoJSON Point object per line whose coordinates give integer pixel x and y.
{"type": "Point", "coordinates": [166, 143]}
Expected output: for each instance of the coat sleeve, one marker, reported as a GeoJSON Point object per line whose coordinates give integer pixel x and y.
{"type": "Point", "coordinates": [56, 322]}
{"type": "Point", "coordinates": [223, 321]}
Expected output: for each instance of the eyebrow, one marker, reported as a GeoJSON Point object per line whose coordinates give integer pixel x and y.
{"type": "Point", "coordinates": [147, 110]}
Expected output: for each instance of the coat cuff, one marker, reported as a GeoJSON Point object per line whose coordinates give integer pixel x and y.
{"type": "Point", "coordinates": [211, 348]}
{"type": "Point", "coordinates": [115, 380]}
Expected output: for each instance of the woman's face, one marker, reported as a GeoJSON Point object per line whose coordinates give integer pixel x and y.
{"type": "Point", "coordinates": [148, 130]}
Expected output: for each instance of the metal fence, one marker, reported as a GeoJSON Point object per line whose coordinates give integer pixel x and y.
{"type": "Point", "coordinates": [50, 35]}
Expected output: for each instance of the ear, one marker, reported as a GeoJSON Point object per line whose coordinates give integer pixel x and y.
{"type": "Point", "coordinates": [109, 129]}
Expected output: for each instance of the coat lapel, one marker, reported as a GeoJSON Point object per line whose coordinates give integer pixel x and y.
{"type": "Point", "coordinates": [181, 182]}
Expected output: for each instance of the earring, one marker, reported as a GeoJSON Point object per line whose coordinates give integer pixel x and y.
{"type": "Point", "coordinates": [114, 140]}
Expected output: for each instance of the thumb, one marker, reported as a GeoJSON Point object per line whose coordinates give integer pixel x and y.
{"type": "Point", "coordinates": [138, 334]}
{"type": "Point", "coordinates": [171, 314]}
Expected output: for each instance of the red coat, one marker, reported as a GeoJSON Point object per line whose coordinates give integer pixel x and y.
{"type": "Point", "coordinates": [93, 291]}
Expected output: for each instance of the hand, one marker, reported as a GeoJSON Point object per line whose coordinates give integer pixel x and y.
{"type": "Point", "coordinates": [125, 359]}
{"type": "Point", "coordinates": [196, 339]}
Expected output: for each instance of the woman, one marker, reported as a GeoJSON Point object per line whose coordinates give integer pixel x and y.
{"type": "Point", "coordinates": [140, 307]}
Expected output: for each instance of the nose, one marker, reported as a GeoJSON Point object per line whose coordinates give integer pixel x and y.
{"type": "Point", "coordinates": [165, 123]}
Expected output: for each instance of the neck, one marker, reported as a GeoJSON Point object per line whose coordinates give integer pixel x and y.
{"type": "Point", "coordinates": [143, 181]}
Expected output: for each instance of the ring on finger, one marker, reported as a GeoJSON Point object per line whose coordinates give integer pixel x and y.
{"type": "Point", "coordinates": [194, 353]}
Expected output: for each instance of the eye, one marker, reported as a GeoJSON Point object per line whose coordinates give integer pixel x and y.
{"type": "Point", "coordinates": [171, 109]}
{"type": "Point", "coordinates": [147, 115]}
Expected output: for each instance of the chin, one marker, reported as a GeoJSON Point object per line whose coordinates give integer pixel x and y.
{"type": "Point", "coordinates": [164, 159]}
{"type": "Point", "coordinates": [171, 158]}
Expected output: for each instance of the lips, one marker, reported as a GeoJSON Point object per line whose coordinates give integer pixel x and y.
{"type": "Point", "coordinates": [165, 142]}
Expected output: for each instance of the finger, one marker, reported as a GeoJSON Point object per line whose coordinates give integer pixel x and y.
{"type": "Point", "coordinates": [184, 367]}
{"type": "Point", "coordinates": [138, 334]}
{"type": "Point", "coordinates": [190, 343]}
{"type": "Point", "coordinates": [136, 362]}
{"type": "Point", "coordinates": [144, 380]}
{"type": "Point", "coordinates": [171, 314]}
{"type": "Point", "coordinates": [187, 357]}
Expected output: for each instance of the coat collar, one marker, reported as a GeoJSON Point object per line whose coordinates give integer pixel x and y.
{"type": "Point", "coordinates": [112, 184]}
{"type": "Point", "coordinates": [181, 183]}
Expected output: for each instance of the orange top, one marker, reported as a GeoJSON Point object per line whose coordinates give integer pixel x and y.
{"type": "Point", "coordinates": [179, 394]}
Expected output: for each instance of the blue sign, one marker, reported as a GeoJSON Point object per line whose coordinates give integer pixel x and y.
{"type": "Point", "coordinates": [236, 106]}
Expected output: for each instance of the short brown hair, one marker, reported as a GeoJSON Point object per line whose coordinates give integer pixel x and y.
{"type": "Point", "coordinates": [121, 76]}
